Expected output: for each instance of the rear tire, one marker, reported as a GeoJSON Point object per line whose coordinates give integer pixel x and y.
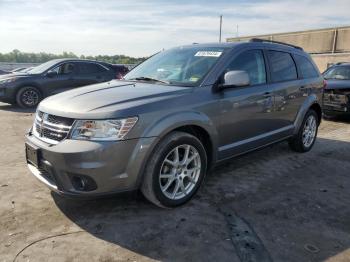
{"type": "Point", "coordinates": [28, 97]}
{"type": "Point", "coordinates": [175, 170]}
{"type": "Point", "coordinates": [304, 140]}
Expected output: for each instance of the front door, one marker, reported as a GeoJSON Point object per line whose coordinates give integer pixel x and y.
{"type": "Point", "coordinates": [63, 80]}
{"type": "Point", "coordinates": [246, 111]}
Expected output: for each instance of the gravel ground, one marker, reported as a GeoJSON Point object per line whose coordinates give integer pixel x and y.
{"type": "Point", "coordinates": [270, 205]}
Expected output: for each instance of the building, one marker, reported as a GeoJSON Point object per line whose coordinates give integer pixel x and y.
{"type": "Point", "coordinates": [326, 46]}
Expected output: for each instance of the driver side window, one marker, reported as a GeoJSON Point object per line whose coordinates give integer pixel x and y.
{"type": "Point", "coordinates": [251, 61]}
{"type": "Point", "coordinates": [63, 69]}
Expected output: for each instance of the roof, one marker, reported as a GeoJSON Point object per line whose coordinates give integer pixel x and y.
{"type": "Point", "coordinates": [77, 60]}
{"type": "Point", "coordinates": [258, 44]}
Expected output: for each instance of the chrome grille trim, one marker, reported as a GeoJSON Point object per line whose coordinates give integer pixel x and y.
{"type": "Point", "coordinates": [50, 128]}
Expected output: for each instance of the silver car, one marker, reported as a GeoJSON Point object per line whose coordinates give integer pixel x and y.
{"type": "Point", "coordinates": [174, 117]}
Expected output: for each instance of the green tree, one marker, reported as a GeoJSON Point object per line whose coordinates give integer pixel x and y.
{"type": "Point", "coordinates": [17, 56]}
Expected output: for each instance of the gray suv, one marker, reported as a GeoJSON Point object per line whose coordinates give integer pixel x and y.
{"type": "Point", "coordinates": [173, 117]}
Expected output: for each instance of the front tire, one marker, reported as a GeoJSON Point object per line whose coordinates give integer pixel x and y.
{"type": "Point", "coordinates": [175, 170]}
{"type": "Point", "coordinates": [304, 140]}
{"type": "Point", "coordinates": [28, 97]}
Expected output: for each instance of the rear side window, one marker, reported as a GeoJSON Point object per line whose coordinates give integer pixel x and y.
{"type": "Point", "coordinates": [282, 66]}
{"type": "Point", "coordinates": [306, 67]}
{"type": "Point", "coordinates": [90, 68]}
{"type": "Point", "coordinates": [253, 63]}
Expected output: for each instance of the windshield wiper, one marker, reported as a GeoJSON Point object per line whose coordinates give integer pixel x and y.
{"type": "Point", "coordinates": [144, 78]}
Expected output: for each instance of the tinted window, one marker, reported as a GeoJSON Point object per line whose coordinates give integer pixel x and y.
{"type": "Point", "coordinates": [282, 66]}
{"type": "Point", "coordinates": [90, 68]}
{"type": "Point", "coordinates": [252, 62]}
{"type": "Point", "coordinates": [64, 69]}
{"type": "Point", "coordinates": [306, 67]}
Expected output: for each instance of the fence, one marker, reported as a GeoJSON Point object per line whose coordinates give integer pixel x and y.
{"type": "Point", "coordinates": [329, 40]}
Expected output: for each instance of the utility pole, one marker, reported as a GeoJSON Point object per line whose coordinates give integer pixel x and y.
{"type": "Point", "coordinates": [220, 28]}
{"type": "Point", "coordinates": [237, 31]}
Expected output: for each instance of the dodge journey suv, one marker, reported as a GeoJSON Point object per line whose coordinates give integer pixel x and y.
{"type": "Point", "coordinates": [173, 117]}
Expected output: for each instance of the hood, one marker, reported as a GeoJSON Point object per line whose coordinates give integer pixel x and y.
{"type": "Point", "coordinates": [8, 75]}
{"type": "Point", "coordinates": [338, 84]}
{"type": "Point", "coordinates": [14, 75]}
{"type": "Point", "coordinates": [107, 99]}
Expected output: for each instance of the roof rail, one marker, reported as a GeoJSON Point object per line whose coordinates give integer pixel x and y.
{"type": "Point", "coordinates": [259, 40]}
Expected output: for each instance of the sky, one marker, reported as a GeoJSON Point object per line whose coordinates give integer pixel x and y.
{"type": "Point", "coordinates": [141, 28]}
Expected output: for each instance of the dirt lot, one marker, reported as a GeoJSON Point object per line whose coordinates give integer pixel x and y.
{"type": "Point", "coordinates": [271, 205]}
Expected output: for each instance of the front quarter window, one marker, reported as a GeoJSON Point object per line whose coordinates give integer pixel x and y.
{"type": "Point", "coordinates": [184, 66]}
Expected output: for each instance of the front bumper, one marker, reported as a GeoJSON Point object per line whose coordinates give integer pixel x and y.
{"type": "Point", "coordinates": [336, 104]}
{"type": "Point", "coordinates": [106, 167]}
{"type": "Point", "coordinates": [336, 109]}
{"type": "Point", "coordinates": [6, 95]}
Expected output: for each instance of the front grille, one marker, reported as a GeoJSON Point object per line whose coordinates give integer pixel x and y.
{"type": "Point", "coordinates": [345, 91]}
{"type": "Point", "coordinates": [51, 128]}
{"type": "Point", "coordinates": [336, 96]}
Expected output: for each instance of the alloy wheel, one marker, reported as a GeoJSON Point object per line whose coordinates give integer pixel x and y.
{"type": "Point", "coordinates": [309, 131]}
{"type": "Point", "coordinates": [30, 97]}
{"type": "Point", "coordinates": [180, 172]}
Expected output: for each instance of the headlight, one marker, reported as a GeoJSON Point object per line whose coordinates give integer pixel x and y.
{"type": "Point", "coordinates": [7, 80]}
{"type": "Point", "coordinates": [102, 130]}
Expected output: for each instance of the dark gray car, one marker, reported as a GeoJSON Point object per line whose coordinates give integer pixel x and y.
{"type": "Point", "coordinates": [27, 89]}
{"type": "Point", "coordinates": [173, 118]}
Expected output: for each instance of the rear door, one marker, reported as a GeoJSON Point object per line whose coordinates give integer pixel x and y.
{"type": "Point", "coordinates": [287, 88]}
{"type": "Point", "coordinates": [246, 111]}
{"type": "Point", "coordinates": [92, 73]}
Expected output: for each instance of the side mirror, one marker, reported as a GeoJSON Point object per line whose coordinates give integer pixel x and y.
{"type": "Point", "coordinates": [51, 74]}
{"type": "Point", "coordinates": [236, 78]}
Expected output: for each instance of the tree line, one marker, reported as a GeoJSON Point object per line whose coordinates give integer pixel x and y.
{"type": "Point", "coordinates": [17, 56]}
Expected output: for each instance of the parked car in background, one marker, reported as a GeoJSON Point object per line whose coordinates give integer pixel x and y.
{"type": "Point", "coordinates": [336, 98]}
{"type": "Point", "coordinates": [27, 89]}
{"type": "Point", "coordinates": [173, 117]}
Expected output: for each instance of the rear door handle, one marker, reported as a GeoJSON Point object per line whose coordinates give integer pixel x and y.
{"type": "Point", "coordinates": [302, 87]}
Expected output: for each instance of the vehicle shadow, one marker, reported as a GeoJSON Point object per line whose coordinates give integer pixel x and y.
{"type": "Point", "coordinates": [15, 108]}
{"type": "Point", "coordinates": [340, 118]}
{"type": "Point", "coordinates": [298, 205]}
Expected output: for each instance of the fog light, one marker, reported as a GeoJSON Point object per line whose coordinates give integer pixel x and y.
{"type": "Point", "coordinates": [83, 183]}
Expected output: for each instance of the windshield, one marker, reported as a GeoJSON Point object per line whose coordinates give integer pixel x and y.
{"type": "Point", "coordinates": [185, 66]}
{"type": "Point", "coordinates": [43, 67]}
{"type": "Point", "coordinates": [339, 72]}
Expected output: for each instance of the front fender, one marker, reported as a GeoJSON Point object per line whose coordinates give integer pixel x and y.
{"type": "Point", "coordinates": [172, 121]}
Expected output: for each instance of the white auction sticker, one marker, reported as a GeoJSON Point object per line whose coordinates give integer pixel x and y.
{"type": "Point", "coordinates": [208, 53]}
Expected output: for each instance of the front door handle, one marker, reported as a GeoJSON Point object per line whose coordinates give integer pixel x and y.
{"type": "Point", "coordinates": [302, 87]}
{"type": "Point", "coordinates": [267, 94]}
